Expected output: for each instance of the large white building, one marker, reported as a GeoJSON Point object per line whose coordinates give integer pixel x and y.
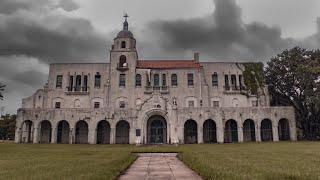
{"type": "Point", "coordinates": [130, 100]}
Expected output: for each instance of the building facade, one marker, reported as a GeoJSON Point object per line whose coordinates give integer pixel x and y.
{"type": "Point", "coordinates": [134, 101]}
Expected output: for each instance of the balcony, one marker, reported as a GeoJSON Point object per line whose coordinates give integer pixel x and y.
{"type": "Point", "coordinates": [160, 89]}
{"type": "Point", "coordinates": [77, 90]}
{"type": "Point", "coordinates": [122, 67]}
{"type": "Point", "coordinates": [235, 89]}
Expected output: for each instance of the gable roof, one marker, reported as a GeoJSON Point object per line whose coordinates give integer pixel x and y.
{"type": "Point", "coordinates": [167, 64]}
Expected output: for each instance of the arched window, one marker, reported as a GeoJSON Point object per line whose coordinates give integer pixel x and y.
{"type": "Point", "coordinates": [138, 80]}
{"type": "Point", "coordinates": [123, 44]}
{"type": "Point", "coordinates": [174, 80]}
{"type": "Point", "coordinates": [123, 61]}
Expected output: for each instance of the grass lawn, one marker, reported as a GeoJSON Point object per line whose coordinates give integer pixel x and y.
{"type": "Point", "coordinates": [285, 160]}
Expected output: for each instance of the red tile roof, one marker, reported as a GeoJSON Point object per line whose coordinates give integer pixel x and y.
{"type": "Point", "coordinates": [167, 64]}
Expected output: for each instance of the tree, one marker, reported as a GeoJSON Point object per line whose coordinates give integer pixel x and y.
{"type": "Point", "coordinates": [7, 127]}
{"type": "Point", "coordinates": [294, 79]}
{"type": "Point", "coordinates": [1, 89]}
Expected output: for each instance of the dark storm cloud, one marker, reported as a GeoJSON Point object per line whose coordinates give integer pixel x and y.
{"type": "Point", "coordinates": [68, 5]}
{"type": "Point", "coordinates": [222, 35]}
{"type": "Point", "coordinates": [71, 39]}
{"type": "Point", "coordinates": [30, 77]}
{"type": "Point", "coordinates": [11, 6]}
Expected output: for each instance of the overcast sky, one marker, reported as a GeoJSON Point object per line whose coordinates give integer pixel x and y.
{"type": "Point", "coordinates": [35, 33]}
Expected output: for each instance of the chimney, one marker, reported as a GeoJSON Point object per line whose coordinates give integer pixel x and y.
{"type": "Point", "coordinates": [196, 56]}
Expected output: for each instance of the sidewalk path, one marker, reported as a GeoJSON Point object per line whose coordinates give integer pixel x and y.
{"type": "Point", "coordinates": [159, 166]}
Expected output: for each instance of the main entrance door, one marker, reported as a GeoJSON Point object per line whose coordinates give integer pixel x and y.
{"type": "Point", "coordinates": [157, 130]}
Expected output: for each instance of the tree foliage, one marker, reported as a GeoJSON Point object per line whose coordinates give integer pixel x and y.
{"type": "Point", "coordinates": [7, 127]}
{"type": "Point", "coordinates": [2, 86]}
{"type": "Point", "coordinates": [253, 76]}
{"type": "Point", "coordinates": [294, 79]}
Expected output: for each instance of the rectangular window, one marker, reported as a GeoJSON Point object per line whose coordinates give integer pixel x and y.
{"type": "Point", "coordinates": [215, 104]}
{"type": "Point", "coordinates": [78, 83]}
{"type": "Point", "coordinates": [156, 80]}
{"type": "Point", "coordinates": [240, 82]}
{"type": "Point", "coordinates": [190, 103]}
{"type": "Point", "coordinates": [190, 79]}
{"type": "Point", "coordinates": [215, 79]}
{"type": "Point", "coordinates": [59, 81]}
{"type": "Point", "coordinates": [96, 105]}
{"type": "Point", "coordinates": [234, 82]}
{"type": "Point", "coordinates": [97, 80]}
{"type": "Point", "coordinates": [164, 80]}
{"type": "Point", "coordinates": [122, 104]}
{"type": "Point", "coordinates": [85, 83]}
{"type": "Point", "coordinates": [58, 105]}
{"type": "Point", "coordinates": [226, 82]}
{"type": "Point", "coordinates": [138, 80]}
{"type": "Point", "coordinates": [122, 80]}
{"type": "Point", "coordinates": [174, 80]}
{"type": "Point", "coordinates": [70, 88]}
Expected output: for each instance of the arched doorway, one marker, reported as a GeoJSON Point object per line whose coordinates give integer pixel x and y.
{"type": "Point", "coordinates": [266, 130]}
{"type": "Point", "coordinates": [190, 132]}
{"type": "Point", "coordinates": [157, 130]}
{"type": "Point", "coordinates": [81, 132]}
{"type": "Point", "coordinates": [63, 132]}
{"type": "Point", "coordinates": [231, 131]}
{"type": "Point", "coordinates": [122, 132]}
{"type": "Point", "coordinates": [27, 132]}
{"type": "Point", "coordinates": [45, 132]}
{"type": "Point", "coordinates": [103, 132]}
{"type": "Point", "coordinates": [284, 130]}
{"type": "Point", "coordinates": [209, 131]}
{"type": "Point", "coordinates": [249, 133]}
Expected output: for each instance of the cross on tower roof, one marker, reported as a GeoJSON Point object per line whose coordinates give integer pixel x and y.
{"type": "Point", "coordinates": [126, 16]}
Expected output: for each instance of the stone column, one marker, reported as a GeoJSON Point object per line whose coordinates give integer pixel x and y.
{"type": "Point", "coordinates": [182, 135]}
{"type": "Point", "coordinates": [275, 133]}
{"type": "Point", "coordinates": [92, 134]}
{"type": "Point", "coordinates": [112, 135]}
{"type": "Point", "coordinates": [293, 132]}
{"type": "Point", "coordinates": [71, 136]}
{"type": "Point", "coordinates": [200, 134]}
{"type": "Point", "coordinates": [54, 135]}
{"type": "Point", "coordinates": [258, 133]}
{"type": "Point", "coordinates": [35, 135]}
{"type": "Point", "coordinates": [240, 133]}
{"type": "Point", "coordinates": [132, 136]}
{"type": "Point", "coordinates": [17, 135]}
{"type": "Point", "coordinates": [220, 134]}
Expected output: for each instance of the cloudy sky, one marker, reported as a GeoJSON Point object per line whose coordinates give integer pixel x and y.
{"type": "Point", "coordinates": [35, 33]}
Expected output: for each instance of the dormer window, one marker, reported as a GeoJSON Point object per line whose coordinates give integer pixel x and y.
{"type": "Point", "coordinates": [123, 44]}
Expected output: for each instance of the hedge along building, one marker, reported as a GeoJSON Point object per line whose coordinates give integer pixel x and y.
{"type": "Point", "coordinates": [130, 100]}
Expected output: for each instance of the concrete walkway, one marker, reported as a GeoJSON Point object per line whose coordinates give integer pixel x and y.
{"type": "Point", "coordinates": [160, 166]}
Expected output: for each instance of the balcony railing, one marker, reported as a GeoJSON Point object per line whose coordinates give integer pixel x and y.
{"type": "Point", "coordinates": [77, 90]}
{"type": "Point", "coordinates": [235, 89]}
{"type": "Point", "coordinates": [161, 89]}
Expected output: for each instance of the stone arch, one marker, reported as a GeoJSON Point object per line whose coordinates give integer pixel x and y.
{"type": "Point", "coordinates": [45, 132]}
{"type": "Point", "coordinates": [27, 131]}
{"type": "Point", "coordinates": [156, 130]}
{"type": "Point", "coordinates": [266, 130]}
{"type": "Point", "coordinates": [190, 132]}
{"type": "Point", "coordinates": [284, 129]}
{"type": "Point", "coordinates": [63, 134]}
{"type": "Point", "coordinates": [81, 132]}
{"type": "Point", "coordinates": [122, 132]}
{"type": "Point", "coordinates": [103, 132]}
{"type": "Point", "coordinates": [249, 133]}
{"type": "Point", "coordinates": [209, 131]}
{"type": "Point", "coordinates": [122, 61]}
{"type": "Point", "coordinates": [231, 131]}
